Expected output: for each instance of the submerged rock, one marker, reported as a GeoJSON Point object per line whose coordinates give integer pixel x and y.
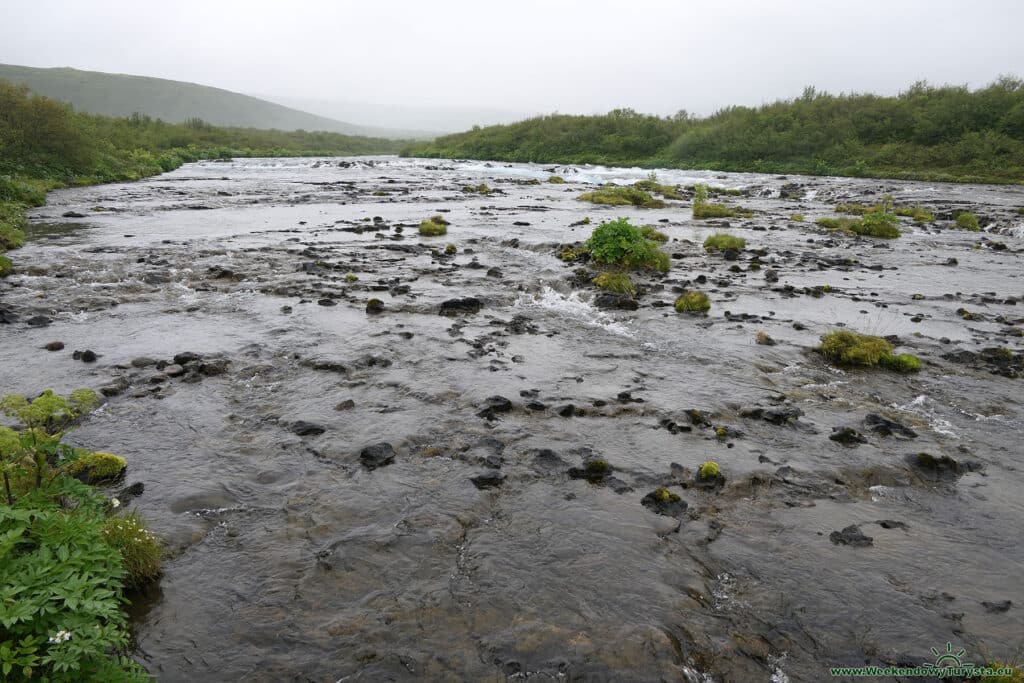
{"type": "Point", "coordinates": [619, 302]}
{"type": "Point", "coordinates": [303, 428]}
{"type": "Point", "coordinates": [851, 536]}
{"type": "Point", "coordinates": [465, 306]}
{"type": "Point", "coordinates": [488, 480]}
{"type": "Point", "coordinates": [848, 436]}
{"type": "Point", "coordinates": [886, 427]}
{"type": "Point", "coordinates": [664, 502]}
{"type": "Point", "coordinates": [377, 455]}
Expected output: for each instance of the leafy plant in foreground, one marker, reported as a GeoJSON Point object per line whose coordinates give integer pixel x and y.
{"type": "Point", "coordinates": [618, 243]}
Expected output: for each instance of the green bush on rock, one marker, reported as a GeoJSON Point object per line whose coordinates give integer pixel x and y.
{"type": "Point", "coordinates": [618, 243]}
{"type": "Point", "coordinates": [434, 226]}
{"type": "Point", "coordinates": [618, 283]}
{"type": "Point", "coordinates": [614, 195]}
{"type": "Point", "coordinates": [722, 241]}
{"type": "Point", "coordinates": [968, 221]}
{"type": "Point", "coordinates": [692, 301]}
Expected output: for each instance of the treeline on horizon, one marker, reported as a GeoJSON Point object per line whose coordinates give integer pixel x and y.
{"type": "Point", "coordinates": [946, 133]}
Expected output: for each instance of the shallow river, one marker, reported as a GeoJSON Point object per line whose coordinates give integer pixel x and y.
{"type": "Point", "coordinates": [469, 548]}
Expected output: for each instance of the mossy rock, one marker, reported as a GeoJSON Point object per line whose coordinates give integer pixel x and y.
{"type": "Point", "coordinates": [374, 306]}
{"type": "Point", "coordinates": [723, 241]}
{"type": "Point", "coordinates": [664, 502]}
{"type": "Point", "coordinates": [851, 349]}
{"type": "Point", "coordinates": [709, 476]}
{"type": "Point", "coordinates": [968, 221]}
{"type": "Point", "coordinates": [432, 229]}
{"type": "Point", "coordinates": [618, 283]}
{"type": "Point", "coordinates": [94, 468]}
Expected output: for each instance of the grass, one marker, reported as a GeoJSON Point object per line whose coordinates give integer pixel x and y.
{"type": "Point", "coordinates": [721, 241]}
{"type": "Point", "coordinates": [797, 217]}
{"type": "Point", "coordinates": [140, 550]}
{"type": "Point", "coordinates": [851, 349]}
{"type": "Point", "coordinates": [618, 283]}
{"type": "Point", "coordinates": [6, 267]}
{"type": "Point", "coordinates": [614, 195]}
{"type": "Point", "coordinates": [692, 301]}
{"type": "Point", "coordinates": [968, 221]}
{"type": "Point", "coordinates": [653, 234]}
{"type": "Point", "coordinates": [556, 180]}
{"type": "Point", "coordinates": [702, 208]}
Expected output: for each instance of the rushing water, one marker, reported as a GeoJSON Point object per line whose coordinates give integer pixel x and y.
{"type": "Point", "coordinates": [290, 559]}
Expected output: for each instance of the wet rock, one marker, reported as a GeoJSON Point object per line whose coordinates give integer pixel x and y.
{"type": "Point", "coordinates": [130, 492]}
{"type": "Point", "coordinates": [115, 388]}
{"type": "Point", "coordinates": [86, 356]}
{"type": "Point", "coordinates": [942, 467]}
{"type": "Point", "coordinates": [776, 416]}
{"type": "Point", "coordinates": [374, 306]}
{"type": "Point", "coordinates": [54, 346]}
{"type": "Point", "coordinates": [698, 418]}
{"type": "Point", "coordinates": [892, 524]}
{"type": "Point", "coordinates": [494, 405]}
{"type": "Point", "coordinates": [326, 302]}
{"type": "Point", "coordinates": [851, 536]}
{"type": "Point", "coordinates": [465, 306]}
{"type": "Point", "coordinates": [377, 455]}
{"type": "Point", "coordinates": [997, 607]}
{"type": "Point", "coordinates": [594, 470]}
{"type": "Point", "coordinates": [303, 428]}
{"type": "Point", "coordinates": [731, 254]}
{"type": "Point", "coordinates": [143, 362]}
{"type": "Point", "coordinates": [520, 324]}
{"type": "Point", "coordinates": [38, 321]}
{"type": "Point", "coordinates": [72, 214]}
{"type": "Point", "coordinates": [997, 360]}
{"type": "Point", "coordinates": [174, 370]}
{"type": "Point", "coordinates": [664, 502]}
{"type": "Point", "coordinates": [347, 404]}
{"type": "Point", "coordinates": [886, 427]}
{"type": "Point", "coordinates": [567, 410]}
{"type": "Point", "coordinates": [619, 302]}
{"type": "Point", "coordinates": [222, 273]}
{"type": "Point", "coordinates": [212, 368]}
{"type": "Point", "coordinates": [7, 316]}
{"type": "Point", "coordinates": [771, 276]}
{"type": "Point", "coordinates": [186, 358]}
{"type": "Point", "coordinates": [488, 480]}
{"type": "Point", "coordinates": [848, 436]}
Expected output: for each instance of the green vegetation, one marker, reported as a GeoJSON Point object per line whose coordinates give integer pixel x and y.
{"type": "Point", "coordinates": [434, 226]}
{"type": "Point", "coordinates": [946, 133]}
{"type": "Point", "coordinates": [968, 221]}
{"type": "Point", "coordinates": [6, 268]}
{"type": "Point", "coordinates": [482, 188]}
{"type": "Point", "coordinates": [93, 468]}
{"type": "Point", "coordinates": [619, 244]}
{"type": "Point", "coordinates": [1015, 675]}
{"type": "Point", "coordinates": [879, 224]}
{"type": "Point", "coordinates": [663, 495]}
{"type": "Point", "coordinates": [797, 217]}
{"type": "Point", "coordinates": [653, 234]}
{"type": "Point", "coordinates": [619, 283]}
{"type": "Point", "coordinates": [450, 249]}
{"type": "Point", "coordinates": [851, 349]}
{"type": "Point", "coordinates": [615, 195]}
{"type": "Point", "coordinates": [721, 241]}
{"type": "Point", "coordinates": [654, 187]}
{"type": "Point", "coordinates": [702, 208]}
{"type": "Point", "coordinates": [556, 180]}
{"type": "Point", "coordinates": [62, 573]}
{"type": "Point", "coordinates": [692, 301]}
{"type": "Point", "coordinates": [709, 470]}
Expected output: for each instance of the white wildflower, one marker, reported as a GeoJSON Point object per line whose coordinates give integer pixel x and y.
{"type": "Point", "coordinates": [115, 503]}
{"type": "Point", "coordinates": [60, 637]}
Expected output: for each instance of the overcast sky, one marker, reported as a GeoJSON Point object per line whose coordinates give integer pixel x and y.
{"type": "Point", "coordinates": [528, 55]}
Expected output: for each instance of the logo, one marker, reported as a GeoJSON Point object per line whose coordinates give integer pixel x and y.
{"type": "Point", "coordinates": [948, 659]}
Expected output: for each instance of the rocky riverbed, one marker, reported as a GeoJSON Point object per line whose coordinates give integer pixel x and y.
{"type": "Point", "coordinates": [462, 482]}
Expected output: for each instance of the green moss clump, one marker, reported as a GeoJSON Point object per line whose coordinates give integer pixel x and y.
{"type": "Point", "coordinates": [877, 224]}
{"type": "Point", "coordinates": [351, 277]}
{"type": "Point", "coordinates": [482, 188]}
{"type": "Point", "coordinates": [904, 362]}
{"type": "Point", "coordinates": [570, 253]}
{"type": "Point", "coordinates": [692, 301]}
{"type": "Point", "coordinates": [618, 243]}
{"type": "Point", "coordinates": [374, 306]}
{"type": "Point", "coordinates": [6, 268]}
{"type": "Point", "coordinates": [653, 234]}
{"type": "Point", "coordinates": [598, 469]}
{"type": "Point", "coordinates": [968, 221]}
{"type": "Point", "coordinates": [710, 210]}
{"type": "Point", "coordinates": [619, 283]}
{"type": "Point", "coordinates": [614, 195]}
{"type": "Point", "coordinates": [663, 495]}
{"type": "Point", "coordinates": [722, 241]}
{"type": "Point", "coordinates": [96, 467]}
{"type": "Point", "coordinates": [432, 229]}
{"type": "Point", "coordinates": [797, 217]}
{"type": "Point", "coordinates": [654, 187]}
{"type": "Point", "coordinates": [556, 180]}
{"type": "Point", "coordinates": [852, 349]}
{"type": "Point", "coordinates": [709, 470]}
{"type": "Point", "coordinates": [450, 249]}
{"type": "Point", "coordinates": [140, 550]}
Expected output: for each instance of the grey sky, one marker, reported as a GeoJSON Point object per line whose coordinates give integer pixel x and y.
{"type": "Point", "coordinates": [528, 55]}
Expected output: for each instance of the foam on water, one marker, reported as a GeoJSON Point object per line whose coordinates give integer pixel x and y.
{"type": "Point", "coordinates": [575, 307]}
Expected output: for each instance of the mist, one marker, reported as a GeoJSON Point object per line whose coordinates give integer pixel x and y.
{"type": "Point", "coordinates": [507, 61]}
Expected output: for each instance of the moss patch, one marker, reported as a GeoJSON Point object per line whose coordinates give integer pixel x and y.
{"type": "Point", "coordinates": [852, 349]}
{"type": "Point", "coordinates": [692, 302]}
{"type": "Point", "coordinates": [97, 467]}
{"type": "Point", "coordinates": [722, 241]}
{"type": "Point", "coordinates": [614, 195]}
{"type": "Point", "coordinates": [619, 283]}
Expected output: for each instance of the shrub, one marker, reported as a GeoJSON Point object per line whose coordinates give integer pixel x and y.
{"type": "Point", "coordinates": [6, 268]}
{"type": "Point", "coordinates": [618, 243]}
{"type": "Point", "coordinates": [852, 349]}
{"type": "Point", "coordinates": [722, 241]}
{"type": "Point", "coordinates": [141, 551]}
{"type": "Point", "coordinates": [713, 211]}
{"type": "Point", "coordinates": [431, 229]}
{"type": "Point", "coordinates": [692, 301]}
{"type": "Point", "coordinates": [968, 221]}
{"type": "Point", "coordinates": [622, 196]}
{"type": "Point", "coordinates": [619, 283]}
{"type": "Point", "coordinates": [653, 186]}
{"type": "Point", "coordinates": [32, 193]}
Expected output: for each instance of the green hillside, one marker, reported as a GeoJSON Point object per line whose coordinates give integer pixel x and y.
{"type": "Point", "coordinates": [173, 101]}
{"type": "Point", "coordinates": [926, 132]}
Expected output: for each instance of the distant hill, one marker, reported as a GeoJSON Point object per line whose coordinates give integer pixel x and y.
{"type": "Point", "coordinates": [96, 92]}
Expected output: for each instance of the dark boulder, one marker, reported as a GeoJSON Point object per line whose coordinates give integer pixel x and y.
{"type": "Point", "coordinates": [851, 536]}
{"type": "Point", "coordinates": [465, 306]}
{"type": "Point", "coordinates": [377, 455]}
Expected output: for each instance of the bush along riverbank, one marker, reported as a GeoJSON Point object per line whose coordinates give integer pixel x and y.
{"type": "Point", "coordinates": [68, 552]}
{"type": "Point", "coordinates": [44, 145]}
{"type": "Point", "coordinates": [946, 133]}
